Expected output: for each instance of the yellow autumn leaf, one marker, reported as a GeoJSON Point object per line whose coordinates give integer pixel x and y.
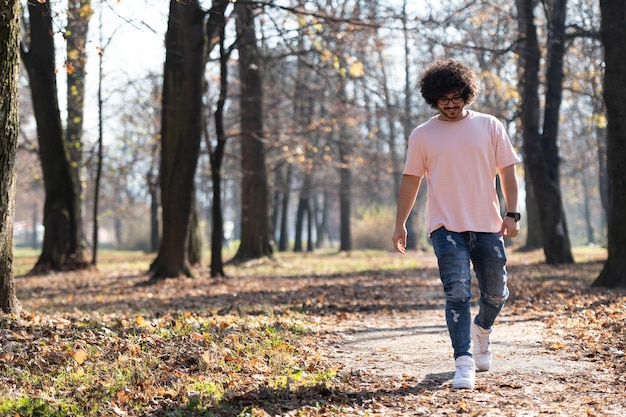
{"type": "Point", "coordinates": [141, 321]}
{"type": "Point", "coordinates": [325, 55]}
{"type": "Point", "coordinates": [259, 412]}
{"type": "Point", "coordinates": [557, 345]}
{"type": "Point", "coordinates": [463, 406]}
{"type": "Point", "coordinates": [356, 70]}
{"type": "Point", "coordinates": [80, 356]}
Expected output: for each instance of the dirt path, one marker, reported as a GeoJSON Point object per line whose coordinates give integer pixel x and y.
{"type": "Point", "coordinates": [418, 345]}
{"type": "Point", "coordinates": [401, 365]}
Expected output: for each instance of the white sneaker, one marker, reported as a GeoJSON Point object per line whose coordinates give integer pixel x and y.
{"type": "Point", "coordinates": [482, 347]}
{"type": "Point", "coordinates": [465, 375]}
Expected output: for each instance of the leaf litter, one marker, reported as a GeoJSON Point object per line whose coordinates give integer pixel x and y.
{"type": "Point", "coordinates": [265, 344]}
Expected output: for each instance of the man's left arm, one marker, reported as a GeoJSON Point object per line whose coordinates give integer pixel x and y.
{"type": "Point", "coordinates": [509, 184]}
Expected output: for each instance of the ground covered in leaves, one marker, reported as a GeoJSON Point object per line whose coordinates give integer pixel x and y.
{"type": "Point", "coordinates": [262, 342]}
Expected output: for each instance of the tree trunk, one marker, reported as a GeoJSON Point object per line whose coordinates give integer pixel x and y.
{"type": "Point", "coordinates": [529, 57]}
{"type": "Point", "coordinates": [255, 231]}
{"type": "Point", "coordinates": [194, 245]}
{"type": "Point", "coordinates": [285, 184]}
{"type": "Point", "coordinates": [99, 161]}
{"type": "Point", "coordinates": [216, 26]}
{"type": "Point", "coordinates": [180, 135]}
{"type": "Point", "coordinates": [540, 150]}
{"type": "Point", "coordinates": [345, 180]}
{"type": "Point", "coordinates": [414, 224]}
{"type": "Point", "coordinates": [534, 236]}
{"type": "Point", "coordinates": [587, 192]}
{"type": "Point", "coordinates": [61, 244]}
{"type": "Point", "coordinates": [601, 139]}
{"type": "Point", "coordinates": [276, 196]}
{"type": "Point", "coordinates": [322, 231]}
{"type": "Point", "coordinates": [310, 245]}
{"type": "Point", "coordinates": [217, 232]}
{"type": "Point", "coordinates": [613, 31]}
{"type": "Point", "coordinates": [78, 16]}
{"type": "Point", "coordinates": [301, 211]}
{"type": "Point", "coordinates": [153, 192]}
{"type": "Point", "coordinates": [547, 182]}
{"type": "Point", "coordinates": [9, 129]}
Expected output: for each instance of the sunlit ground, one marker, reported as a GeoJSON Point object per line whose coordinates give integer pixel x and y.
{"type": "Point", "coordinates": [319, 262]}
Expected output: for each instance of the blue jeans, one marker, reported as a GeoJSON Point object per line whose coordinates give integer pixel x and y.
{"type": "Point", "coordinates": [455, 251]}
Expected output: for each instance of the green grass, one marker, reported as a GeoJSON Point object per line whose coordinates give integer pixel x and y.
{"type": "Point", "coordinates": [108, 260]}
{"type": "Point", "coordinates": [324, 261]}
{"type": "Point", "coordinates": [93, 366]}
{"type": "Point", "coordinates": [320, 262]}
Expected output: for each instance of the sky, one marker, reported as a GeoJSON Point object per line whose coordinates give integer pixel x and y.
{"type": "Point", "coordinates": [131, 34]}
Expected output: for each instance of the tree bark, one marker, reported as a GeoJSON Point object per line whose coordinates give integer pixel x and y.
{"type": "Point", "coordinates": [79, 14]}
{"type": "Point", "coordinates": [216, 27]}
{"type": "Point", "coordinates": [99, 162]}
{"type": "Point", "coordinates": [534, 235]}
{"type": "Point", "coordinates": [557, 247]}
{"type": "Point", "coordinates": [194, 244]}
{"type": "Point", "coordinates": [61, 244]}
{"type": "Point", "coordinates": [414, 224]}
{"type": "Point", "coordinates": [613, 31]}
{"type": "Point", "coordinates": [181, 131]}
{"type": "Point", "coordinates": [9, 130]}
{"type": "Point", "coordinates": [321, 213]}
{"type": "Point", "coordinates": [345, 182]}
{"type": "Point", "coordinates": [153, 192]}
{"type": "Point", "coordinates": [303, 209]}
{"type": "Point", "coordinates": [345, 177]}
{"type": "Point", "coordinates": [540, 149]}
{"type": "Point", "coordinates": [529, 58]}
{"type": "Point", "coordinates": [285, 184]}
{"type": "Point", "coordinates": [255, 230]}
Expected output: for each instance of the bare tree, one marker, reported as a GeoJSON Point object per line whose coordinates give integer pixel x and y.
{"type": "Point", "coordinates": [9, 70]}
{"type": "Point", "coordinates": [541, 156]}
{"type": "Point", "coordinates": [255, 230]}
{"type": "Point", "coordinates": [181, 131]}
{"type": "Point", "coordinates": [62, 238]}
{"type": "Point", "coordinates": [613, 31]}
{"type": "Point", "coordinates": [79, 14]}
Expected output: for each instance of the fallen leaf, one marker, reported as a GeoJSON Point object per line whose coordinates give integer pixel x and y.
{"type": "Point", "coordinates": [80, 356]}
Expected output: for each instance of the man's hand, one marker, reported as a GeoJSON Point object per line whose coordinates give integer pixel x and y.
{"type": "Point", "coordinates": [409, 185]}
{"type": "Point", "coordinates": [510, 228]}
{"type": "Point", "coordinates": [399, 239]}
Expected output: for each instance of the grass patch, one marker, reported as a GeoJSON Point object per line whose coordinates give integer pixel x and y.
{"type": "Point", "coordinates": [102, 367]}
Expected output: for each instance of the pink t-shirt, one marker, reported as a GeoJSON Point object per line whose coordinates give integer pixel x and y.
{"type": "Point", "coordinates": [460, 161]}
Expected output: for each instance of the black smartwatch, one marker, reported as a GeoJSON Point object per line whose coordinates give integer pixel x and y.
{"type": "Point", "coordinates": [514, 214]}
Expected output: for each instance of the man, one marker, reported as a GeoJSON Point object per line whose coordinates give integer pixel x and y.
{"type": "Point", "coordinates": [459, 152]}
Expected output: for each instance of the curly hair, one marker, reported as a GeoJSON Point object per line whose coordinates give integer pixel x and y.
{"type": "Point", "coordinates": [446, 76]}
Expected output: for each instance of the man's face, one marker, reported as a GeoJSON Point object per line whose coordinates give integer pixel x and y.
{"type": "Point", "coordinates": [451, 106]}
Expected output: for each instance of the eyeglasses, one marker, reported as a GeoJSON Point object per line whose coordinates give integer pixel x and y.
{"type": "Point", "coordinates": [455, 100]}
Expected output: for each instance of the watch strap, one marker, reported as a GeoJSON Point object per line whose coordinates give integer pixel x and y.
{"type": "Point", "coordinates": [514, 214]}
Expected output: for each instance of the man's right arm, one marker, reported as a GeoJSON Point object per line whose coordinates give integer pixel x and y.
{"type": "Point", "coordinates": [409, 186]}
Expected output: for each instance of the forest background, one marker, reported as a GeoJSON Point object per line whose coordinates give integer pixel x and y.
{"type": "Point", "coordinates": [339, 98]}
{"type": "Point", "coordinates": [320, 121]}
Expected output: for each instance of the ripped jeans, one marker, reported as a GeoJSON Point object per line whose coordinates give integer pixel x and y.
{"type": "Point", "coordinates": [455, 251]}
